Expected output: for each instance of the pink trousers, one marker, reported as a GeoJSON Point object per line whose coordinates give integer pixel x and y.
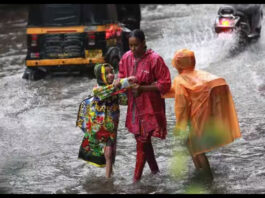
{"type": "Point", "coordinates": [145, 152]}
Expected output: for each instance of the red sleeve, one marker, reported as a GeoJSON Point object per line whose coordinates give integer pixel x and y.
{"type": "Point", "coordinates": [170, 93]}
{"type": "Point", "coordinates": [162, 75]}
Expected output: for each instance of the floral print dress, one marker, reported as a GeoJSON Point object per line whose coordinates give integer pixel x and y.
{"type": "Point", "coordinates": [98, 117]}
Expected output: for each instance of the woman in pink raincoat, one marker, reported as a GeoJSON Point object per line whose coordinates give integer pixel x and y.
{"type": "Point", "coordinates": [146, 109]}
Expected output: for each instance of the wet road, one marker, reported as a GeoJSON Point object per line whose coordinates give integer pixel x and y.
{"type": "Point", "coordinates": [39, 142]}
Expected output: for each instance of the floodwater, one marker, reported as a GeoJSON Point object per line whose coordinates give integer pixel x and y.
{"type": "Point", "coordinates": [39, 142]}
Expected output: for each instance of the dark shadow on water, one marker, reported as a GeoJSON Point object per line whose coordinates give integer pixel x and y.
{"type": "Point", "coordinates": [99, 185]}
{"type": "Point", "coordinates": [4, 189]}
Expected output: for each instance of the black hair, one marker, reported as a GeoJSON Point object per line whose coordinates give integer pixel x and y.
{"type": "Point", "coordinates": [137, 33]}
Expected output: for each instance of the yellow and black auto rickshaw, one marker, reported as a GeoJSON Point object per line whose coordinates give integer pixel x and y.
{"type": "Point", "coordinates": [67, 37]}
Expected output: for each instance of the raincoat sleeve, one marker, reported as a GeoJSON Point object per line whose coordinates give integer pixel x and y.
{"type": "Point", "coordinates": [182, 105]}
{"type": "Point", "coordinates": [182, 109]}
{"type": "Point", "coordinates": [103, 92]}
{"type": "Point", "coordinates": [162, 75]}
{"type": "Point", "coordinates": [171, 92]}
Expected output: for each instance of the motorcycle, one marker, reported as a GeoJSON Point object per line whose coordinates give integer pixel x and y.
{"type": "Point", "coordinates": [241, 21]}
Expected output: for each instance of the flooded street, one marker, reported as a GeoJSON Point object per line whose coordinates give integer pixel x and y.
{"type": "Point", "coordinates": [39, 142]}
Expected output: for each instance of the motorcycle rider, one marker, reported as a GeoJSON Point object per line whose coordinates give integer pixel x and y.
{"type": "Point", "coordinates": [130, 15]}
{"type": "Point", "coordinates": [254, 14]}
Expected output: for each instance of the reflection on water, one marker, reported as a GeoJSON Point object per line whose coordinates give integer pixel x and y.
{"type": "Point", "coordinates": [39, 143]}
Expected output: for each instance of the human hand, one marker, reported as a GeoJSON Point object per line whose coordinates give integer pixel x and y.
{"type": "Point", "coordinates": [117, 83]}
{"type": "Point", "coordinates": [132, 79]}
{"type": "Point", "coordinates": [136, 90]}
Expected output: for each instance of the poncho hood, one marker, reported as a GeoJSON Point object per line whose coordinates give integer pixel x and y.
{"type": "Point", "coordinates": [184, 59]}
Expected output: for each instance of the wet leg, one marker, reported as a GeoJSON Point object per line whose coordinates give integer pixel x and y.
{"type": "Point", "coordinates": [204, 164]}
{"type": "Point", "coordinates": [109, 159]}
{"type": "Point", "coordinates": [195, 160]}
{"type": "Point", "coordinates": [150, 157]}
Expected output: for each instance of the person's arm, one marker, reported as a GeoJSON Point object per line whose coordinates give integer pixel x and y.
{"type": "Point", "coordinates": [163, 82]}
{"type": "Point", "coordinates": [162, 75]}
{"type": "Point", "coordinates": [124, 84]}
{"type": "Point", "coordinates": [138, 89]}
{"type": "Point", "coordinates": [103, 92]}
{"type": "Point", "coordinates": [182, 111]}
{"type": "Point", "coordinates": [171, 92]}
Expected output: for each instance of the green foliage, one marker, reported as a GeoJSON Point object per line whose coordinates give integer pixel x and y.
{"type": "Point", "coordinates": [178, 164]}
{"type": "Point", "coordinates": [196, 189]}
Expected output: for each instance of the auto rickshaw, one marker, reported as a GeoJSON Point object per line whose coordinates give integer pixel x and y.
{"type": "Point", "coordinates": [74, 37]}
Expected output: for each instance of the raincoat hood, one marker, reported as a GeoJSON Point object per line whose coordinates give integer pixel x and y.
{"type": "Point", "coordinates": [184, 59]}
{"type": "Point", "coordinates": [100, 74]}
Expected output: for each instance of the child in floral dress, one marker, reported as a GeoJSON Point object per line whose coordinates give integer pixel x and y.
{"type": "Point", "coordinates": [98, 117]}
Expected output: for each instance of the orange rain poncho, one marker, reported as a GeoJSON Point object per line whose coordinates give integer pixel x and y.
{"type": "Point", "coordinates": [203, 106]}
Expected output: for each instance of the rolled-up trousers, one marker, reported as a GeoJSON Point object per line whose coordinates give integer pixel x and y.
{"type": "Point", "coordinates": [145, 152]}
